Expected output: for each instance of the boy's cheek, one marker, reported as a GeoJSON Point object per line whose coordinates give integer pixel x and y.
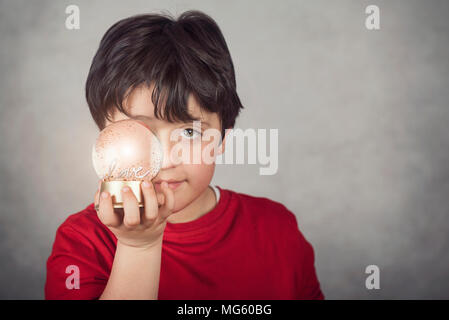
{"type": "Point", "coordinates": [199, 175]}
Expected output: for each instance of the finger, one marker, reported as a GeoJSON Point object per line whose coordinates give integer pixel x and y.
{"type": "Point", "coordinates": [150, 202]}
{"type": "Point", "coordinates": [169, 198]}
{"type": "Point", "coordinates": [131, 208]}
{"type": "Point", "coordinates": [106, 212]}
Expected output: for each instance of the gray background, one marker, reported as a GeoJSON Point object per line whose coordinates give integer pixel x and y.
{"type": "Point", "coordinates": [362, 118]}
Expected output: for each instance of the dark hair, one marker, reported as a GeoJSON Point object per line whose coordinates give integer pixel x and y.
{"type": "Point", "coordinates": [185, 56]}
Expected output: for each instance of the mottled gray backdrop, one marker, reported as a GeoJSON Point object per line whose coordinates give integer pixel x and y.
{"type": "Point", "coordinates": [363, 121]}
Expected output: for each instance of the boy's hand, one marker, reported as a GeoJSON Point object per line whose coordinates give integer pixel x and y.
{"type": "Point", "coordinates": [134, 226]}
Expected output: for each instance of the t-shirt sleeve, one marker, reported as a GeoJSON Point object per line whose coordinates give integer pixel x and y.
{"type": "Point", "coordinates": [74, 269]}
{"type": "Point", "coordinates": [307, 284]}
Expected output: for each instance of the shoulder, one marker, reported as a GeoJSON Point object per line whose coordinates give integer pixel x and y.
{"type": "Point", "coordinates": [82, 221]}
{"type": "Point", "coordinates": [84, 225]}
{"type": "Point", "coordinates": [83, 242]}
{"type": "Point", "coordinates": [272, 220]}
{"type": "Point", "coordinates": [80, 236]}
{"type": "Point", "coordinates": [264, 210]}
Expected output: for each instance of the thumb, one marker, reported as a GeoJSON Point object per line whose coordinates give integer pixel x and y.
{"type": "Point", "coordinates": [169, 201]}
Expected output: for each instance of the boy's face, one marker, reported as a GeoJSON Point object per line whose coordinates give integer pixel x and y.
{"type": "Point", "coordinates": [194, 178]}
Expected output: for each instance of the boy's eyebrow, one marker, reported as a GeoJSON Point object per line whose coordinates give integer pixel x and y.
{"type": "Point", "coordinates": [151, 118]}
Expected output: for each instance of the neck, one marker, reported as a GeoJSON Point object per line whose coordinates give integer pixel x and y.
{"type": "Point", "coordinates": [199, 207]}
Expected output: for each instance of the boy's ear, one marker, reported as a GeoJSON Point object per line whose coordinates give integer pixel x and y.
{"type": "Point", "coordinates": [221, 147]}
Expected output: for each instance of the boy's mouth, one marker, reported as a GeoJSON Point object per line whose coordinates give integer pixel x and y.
{"type": "Point", "coordinates": [172, 184]}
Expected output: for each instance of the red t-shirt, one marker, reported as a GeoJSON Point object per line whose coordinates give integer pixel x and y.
{"type": "Point", "coordinates": [245, 248]}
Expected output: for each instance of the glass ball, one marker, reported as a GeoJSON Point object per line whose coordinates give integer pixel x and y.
{"type": "Point", "coordinates": [127, 150]}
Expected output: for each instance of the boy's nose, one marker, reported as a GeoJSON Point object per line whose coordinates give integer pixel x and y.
{"type": "Point", "coordinates": [167, 162]}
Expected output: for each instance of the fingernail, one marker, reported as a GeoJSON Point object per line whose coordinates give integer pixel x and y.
{"type": "Point", "coordinates": [104, 195]}
{"type": "Point", "coordinates": [125, 189]}
{"type": "Point", "coordinates": [145, 184]}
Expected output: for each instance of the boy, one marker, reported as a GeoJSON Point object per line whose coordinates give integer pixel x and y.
{"type": "Point", "coordinates": [191, 240]}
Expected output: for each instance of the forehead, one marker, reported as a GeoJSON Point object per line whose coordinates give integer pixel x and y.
{"type": "Point", "coordinates": [139, 104]}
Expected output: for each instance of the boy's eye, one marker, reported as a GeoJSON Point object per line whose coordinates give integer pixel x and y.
{"type": "Point", "coordinates": [190, 133]}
